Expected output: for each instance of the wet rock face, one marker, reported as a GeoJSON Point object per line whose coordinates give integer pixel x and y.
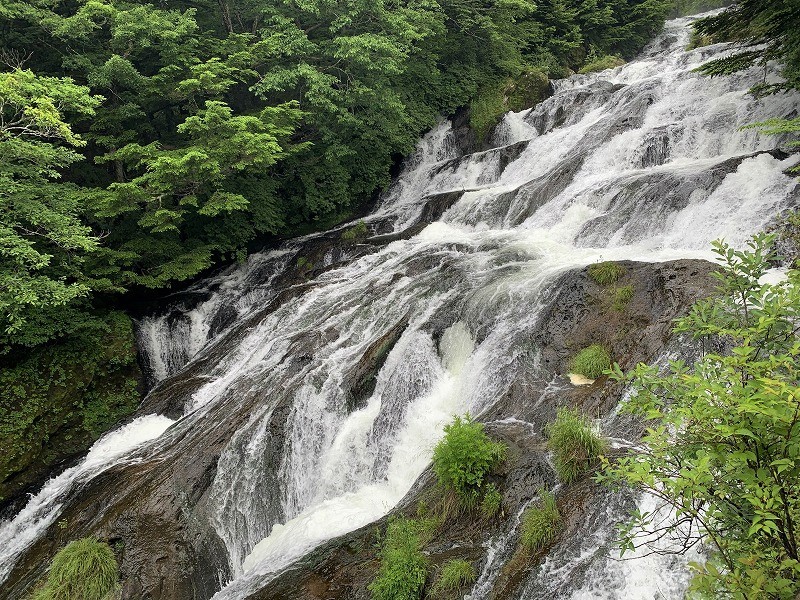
{"type": "Point", "coordinates": [581, 313]}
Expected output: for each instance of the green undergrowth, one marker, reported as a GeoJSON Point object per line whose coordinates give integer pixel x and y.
{"type": "Point", "coordinates": [85, 569]}
{"type": "Point", "coordinates": [495, 99]}
{"type": "Point", "coordinates": [576, 446]}
{"type": "Point", "coordinates": [539, 522]}
{"type": "Point", "coordinates": [404, 567]}
{"type": "Point", "coordinates": [463, 460]}
{"type": "Point", "coordinates": [591, 362]}
{"type": "Point", "coordinates": [606, 273]}
{"type": "Point", "coordinates": [56, 401]}
{"type": "Point", "coordinates": [356, 232]}
{"type": "Point", "coordinates": [601, 63]}
{"type": "Point", "coordinates": [455, 574]}
{"type": "Point", "coordinates": [622, 296]}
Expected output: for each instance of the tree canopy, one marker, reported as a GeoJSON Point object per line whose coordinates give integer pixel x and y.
{"type": "Point", "coordinates": [143, 143]}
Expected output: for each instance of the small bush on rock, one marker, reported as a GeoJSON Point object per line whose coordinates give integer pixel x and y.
{"type": "Point", "coordinates": [591, 361]}
{"type": "Point", "coordinates": [539, 522]}
{"type": "Point", "coordinates": [356, 232]}
{"type": "Point", "coordinates": [464, 458]}
{"type": "Point", "coordinates": [83, 570]}
{"type": "Point", "coordinates": [574, 443]}
{"type": "Point", "coordinates": [606, 273]}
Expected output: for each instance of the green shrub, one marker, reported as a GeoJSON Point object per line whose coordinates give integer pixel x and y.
{"type": "Point", "coordinates": [83, 570]}
{"type": "Point", "coordinates": [492, 501]}
{"type": "Point", "coordinates": [356, 232]}
{"type": "Point", "coordinates": [455, 574]}
{"type": "Point", "coordinates": [574, 443]}
{"type": "Point", "coordinates": [591, 361]}
{"type": "Point", "coordinates": [527, 90]}
{"type": "Point", "coordinates": [486, 109]}
{"type": "Point", "coordinates": [539, 522]}
{"type": "Point", "coordinates": [464, 457]}
{"type": "Point", "coordinates": [622, 296]}
{"type": "Point", "coordinates": [606, 273]}
{"type": "Point", "coordinates": [601, 63]}
{"type": "Point", "coordinates": [404, 567]}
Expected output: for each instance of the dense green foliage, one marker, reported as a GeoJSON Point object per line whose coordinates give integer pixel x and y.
{"type": "Point", "coordinates": [764, 30]}
{"type": "Point", "coordinates": [455, 574]}
{"type": "Point", "coordinates": [140, 142]}
{"type": "Point", "coordinates": [591, 362]}
{"type": "Point", "coordinates": [722, 447]}
{"type": "Point", "coordinates": [606, 273]}
{"type": "Point", "coordinates": [576, 446]}
{"type": "Point", "coordinates": [404, 568]}
{"type": "Point", "coordinates": [83, 570]}
{"type": "Point", "coordinates": [539, 522]}
{"type": "Point", "coordinates": [56, 401]}
{"type": "Point", "coordinates": [464, 458]}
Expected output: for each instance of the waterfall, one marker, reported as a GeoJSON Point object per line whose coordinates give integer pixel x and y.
{"type": "Point", "coordinates": [328, 400]}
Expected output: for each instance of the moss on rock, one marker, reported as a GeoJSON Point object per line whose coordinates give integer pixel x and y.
{"type": "Point", "coordinates": [57, 400]}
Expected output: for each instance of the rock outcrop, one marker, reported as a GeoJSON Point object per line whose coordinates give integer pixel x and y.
{"type": "Point", "coordinates": [156, 513]}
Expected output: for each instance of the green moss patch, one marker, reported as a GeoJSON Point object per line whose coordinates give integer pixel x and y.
{"type": "Point", "coordinates": [622, 296]}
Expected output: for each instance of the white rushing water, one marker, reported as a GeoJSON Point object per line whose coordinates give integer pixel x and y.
{"type": "Point", "coordinates": [646, 161]}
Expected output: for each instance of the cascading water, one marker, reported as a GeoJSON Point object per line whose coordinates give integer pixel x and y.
{"type": "Point", "coordinates": [645, 162]}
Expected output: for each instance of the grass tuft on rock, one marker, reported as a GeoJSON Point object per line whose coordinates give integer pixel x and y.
{"type": "Point", "coordinates": [455, 574]}
{"type": "Point", "coordinates": [85, 569]}
{"type": "Point", "coordinates": [591, 362]}
{"type": "Point", "coordinates": [404, 567]}
{"type": "Point", "coordinates": [492, 501]}
{"type": "Point", "coordinates": [575, 444]}
{"type": "Point", "coordinates": [540, 521]}
{"type": "Point", "coordinates": [606, 273]}
{"type": "Point", "coordinates": [622, 296]}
